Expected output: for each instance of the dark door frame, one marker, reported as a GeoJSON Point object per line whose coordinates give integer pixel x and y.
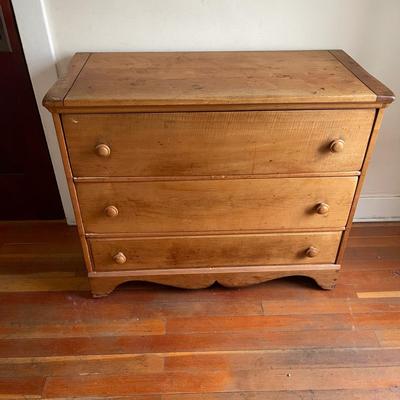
{"type": "Point", "coordinates": [40, 198]}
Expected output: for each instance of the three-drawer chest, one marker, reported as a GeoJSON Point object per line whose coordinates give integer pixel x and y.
{"type": "Point", "coordinates": [192, 168]}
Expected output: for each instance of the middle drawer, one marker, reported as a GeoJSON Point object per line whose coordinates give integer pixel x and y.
{"type": "Point", "coordinates": [215, 205]}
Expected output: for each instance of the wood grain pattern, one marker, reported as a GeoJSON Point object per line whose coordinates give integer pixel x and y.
{"type": "Point", "coordinates": [368, 155]}
{"type": "Point", "coordinates": [284, 340]}
{"type": "Point", "coordinates": [200, 233]}
{"type": "Point", "coordinates": [42, 283]}
{"type": "Point", "coordinates": [55, 96]}
{"type": "Point", "coordinates": [223, 381]}
{"type": "Point", "coordinates": [144, 163]}
{"type": "Point", "coordinates": [149, 342]}
{"type": "Point", "coordinates": [72, 189]}
{"type": "Point", "coordinates": [342, 394]}
{"type": "Point", "coordinates": [20, 367]}
{"type": "Point", "coordinates": [83, 179]}
{"type": "Point", "coordinates": [250, 360]}
{"type": "Point", "coordinates": [176, 144]}
{"type": "Point", "coordinates": [334, 306]}
{"type": "Point", "coordinates": [124, 328]}
{"type": "Point", "coordinates": [188, 206]}
{"type": "Point", "coordinates": [103, 283]}
{"type": "Point", "coordinates": [260, 324]}
{"type": "Point", "coordinates": [378, 294]}
{"type": "Point", "coordinates": [215, 78]}
{"type": "Point", "coordinates": [213, 251]}
{"type": "Point", "coordinates": [21, 388]}
{"type": "Point", "coordinates": [112, 109]}
{"type": "Point", "coordinates": [389, 337]}
{"type": "Point", "coordinates": [383, 93]}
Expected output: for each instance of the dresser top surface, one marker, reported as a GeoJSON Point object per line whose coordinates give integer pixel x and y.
{"type": "Point", "coordinates": [215, 78]}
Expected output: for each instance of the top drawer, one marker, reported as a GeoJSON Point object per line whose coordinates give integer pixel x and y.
{"type": "Point", "coordinates": [217, 143]}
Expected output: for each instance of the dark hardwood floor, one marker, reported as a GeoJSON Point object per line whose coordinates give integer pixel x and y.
{"type": "Point", "coordinates": [285, 339]}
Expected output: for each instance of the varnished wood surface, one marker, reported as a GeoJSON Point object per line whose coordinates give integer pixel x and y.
{"type": "Point", "coordinates": [214, 251]}
{"type": "Point", "coordinates": [198, 78]}
{"type": "Point", "coordinates": [55, 96]}
{"type": "Point", "coordinates": [223, 151]}
{"type": "Point", "coordinates": [282, 340]}
{"type": "Point", "coordinates": [83, 179]}
{"type": "Point", "coordinates": [383, 93]}
{"type": "Point", "coordinates": [239, 204]}
{"type": "Point", "coordinates": [72, 188]}
{"type": "Point", "coordinates": [368, 155]}
{"type": "Point", "coordinates": [215, 108]}
{"type": "Point", "coordinates": [176, 144]}
{"type": "Point", "coordinates": [325, 275]}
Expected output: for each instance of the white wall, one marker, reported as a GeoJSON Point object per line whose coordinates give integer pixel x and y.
{"type": "Point", "coordinates": [40, 59]}
{"type": "Point", "coordinates": [369, 30]}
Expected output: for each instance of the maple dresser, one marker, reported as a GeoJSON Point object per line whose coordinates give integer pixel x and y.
{"type": "Point", "coordinates": [199, 167]}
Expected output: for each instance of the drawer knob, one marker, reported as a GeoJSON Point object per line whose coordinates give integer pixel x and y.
{"type": "Point", "coordinates": [120, 258]}
{"type": "Point", "coordinates": [337, 146]}
{"type": "Point", "coordinates": [111, 211]}
{"type": "Point", "coordinates": [322, 208]}
{"type": "Point", "coordinates": [312, 252]}
{"type": "Point", "coordinates": [102, 150]}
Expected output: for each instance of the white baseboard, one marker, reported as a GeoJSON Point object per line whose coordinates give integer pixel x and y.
{"type": "Point", "coordinates": [373, 208]}
{"type": "Point", "coordinates": [70, 218]}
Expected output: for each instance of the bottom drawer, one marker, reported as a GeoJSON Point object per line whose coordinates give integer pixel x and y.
{"type": "Point", "coordinates": [214, 251]}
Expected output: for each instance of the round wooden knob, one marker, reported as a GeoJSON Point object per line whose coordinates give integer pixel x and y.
{"type": "Point", "coordinates": [111, 211]}
{"type": "Point", "coordinates": [120, 258]}
{"type": "Point", "coordinates": [337, 146]}
{"type": "Point", "coordinates": [322, 208]}
{"type": "Point", "coordinates": [312, 251]}
{"type": "Point", "coordinates": [103, 150]}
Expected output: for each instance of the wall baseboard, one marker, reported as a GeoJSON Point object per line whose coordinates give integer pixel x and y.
{"type": "Point", "coordinates": [378, 208]}
{"type": "Point", "coordinates": [70, 219]}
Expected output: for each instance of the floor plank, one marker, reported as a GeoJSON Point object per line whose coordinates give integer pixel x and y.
{"type": "Point", "coordinates": [259, 324]}
{"type": "Point", "coordinates": [270, 359]}
{"type": "Point", "coordinates": [25, 387]}
{"type": "Point", "coordinates": [82, 311]}
{"type": "Point", "coordinates": [373, 394]}
{"type": "Point", "coordinates": [224, 381]}
{"type": "Point", "coordinates": [388, 337]}
{"type": "Point", "coordinates": [334, 306]}
{"type": "Point", "coordinates": [22, 367]}
{"type": "Point", "coordinates": [134, 326]}
{"type": "Point", "coordinates": [378, 295]}
{"type": "Point", "coordinates": [195, 343]}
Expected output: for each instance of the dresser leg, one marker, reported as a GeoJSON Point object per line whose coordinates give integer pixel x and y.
{"type": "Point", "coordinates": [103, 287]}
{"type": "Point", "coordinates": [325, 279]}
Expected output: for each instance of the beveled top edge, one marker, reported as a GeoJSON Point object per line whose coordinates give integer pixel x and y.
{"type": "Point", "coordinates": [57, 93]}
{"type": "Point", "coordinates": [383, 93]}
{"type": "Point", "coordinates": [55, 99]}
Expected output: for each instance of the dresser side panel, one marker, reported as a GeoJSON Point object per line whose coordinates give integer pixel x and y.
{"type": "Point", "coordinates": [368, 154]}
{"type": "Point", "coordinates": [72, 191]}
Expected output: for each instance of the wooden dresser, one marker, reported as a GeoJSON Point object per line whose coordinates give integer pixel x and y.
{"type": "Point", "coordinates": [233, 167]}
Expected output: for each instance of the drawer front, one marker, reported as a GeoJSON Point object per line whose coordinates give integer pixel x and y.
{"type": "Point", "coordinates": [217, 143]}
{"type": "Point", "coordinates": [215, 205]}
{"type": "Point", "coordinates": [214, 251]}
